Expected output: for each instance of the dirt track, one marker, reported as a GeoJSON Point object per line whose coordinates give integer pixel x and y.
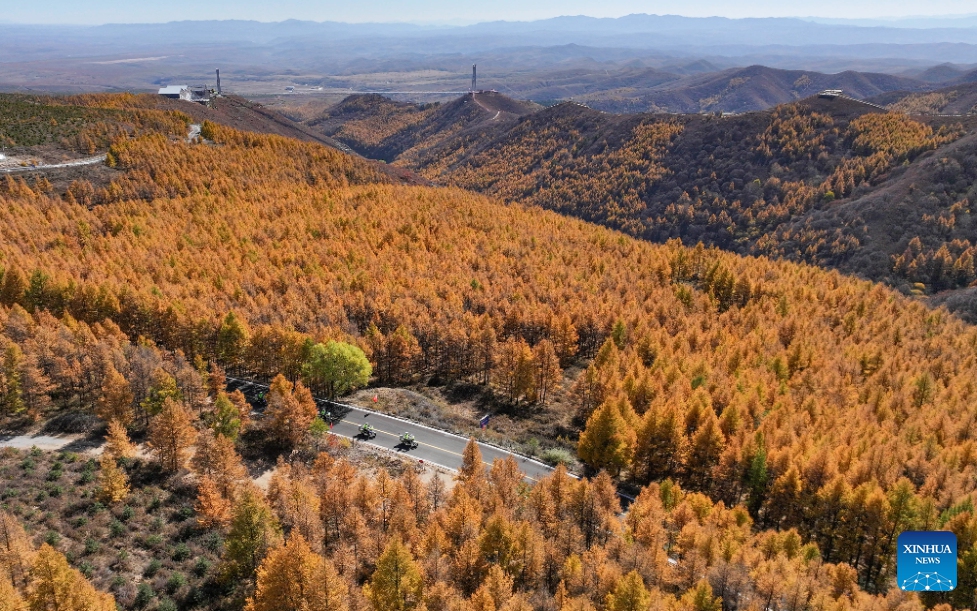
{"type": "Point", "coordinates": [16, 167]}
{"type": "Point", "coordinates": [42, 442]}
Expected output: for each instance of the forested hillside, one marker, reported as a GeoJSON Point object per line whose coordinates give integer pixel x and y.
{"type": "Point", "coordinates": [380, 128]}
{"type": "Point", "coordinates": [87, 123]}
{"type": "Point", "coordinates": [960, 98]}
{"type": "Point", "coordinates": [783, 423]}
{"type": "Point", "coordinates": [832, 182]}
{"type": "Point", "coordinates": [80, 123]}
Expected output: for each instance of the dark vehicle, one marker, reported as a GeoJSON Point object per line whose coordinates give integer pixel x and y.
{"type": "Point", "coordinates": [367, 431]}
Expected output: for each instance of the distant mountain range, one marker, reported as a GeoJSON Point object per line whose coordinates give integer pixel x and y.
{"type": "Point", "coordinates": [740, 90]}
{"type": "Point", "coordinates": [637, 63]}
{"type": "Point", "coordinates": [669, 30]}
{"type": "Point", "coordinates": [553, 58]}
{"type": "Point", "coordinates": [940, 21]}
{"type": "Point", "coordinates": [943, 73]}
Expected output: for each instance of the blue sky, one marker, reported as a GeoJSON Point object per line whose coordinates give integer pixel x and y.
{"type": "Point", "coordinates": [447, 11]}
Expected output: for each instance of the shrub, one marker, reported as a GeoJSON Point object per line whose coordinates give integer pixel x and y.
{"type": "Point", "coordinates": [213, 542]}
{"type": "Point", "coordinates": [152, 568]}
{"type": "Point", "coordinates": [92, 546]}
{"type": "Point", "coordinates": [175, 582]}
{"type": "Point", "coordinates": [166, 605]}
{"type": "Point", "coordinates": [181, 552]}
{"type": "Point", "coordinates": [144, 595]}
{"type": "Point", "coordinates": [201, 567]}
{"type": "Point", "coordinates": [117, 528]}
{"type": "Point", "coordinates": [87, 477]}
{"type": "Point", "coordinates": [52, 538]}
{"type": "Point", "coordinates": [86, 569]}
{"type": "Point", "coordinates": [557, 456]}
{"type": "Point", "coordinates": [184, 513]}
{"type": "Point", "coordinates": [127, 513]}
{"type": "Point", "coordinates": [56, 472]}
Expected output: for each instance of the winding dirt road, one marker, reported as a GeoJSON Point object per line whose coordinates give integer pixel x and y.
{"type": "Point", "coordinates": [51, 166]}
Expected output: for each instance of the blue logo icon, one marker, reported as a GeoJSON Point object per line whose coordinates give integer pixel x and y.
{"type": "Point", "coordinates": [927, 561]}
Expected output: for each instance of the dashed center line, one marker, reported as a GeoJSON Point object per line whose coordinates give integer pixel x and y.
{"type": "Point", "coordinates": [395, 436]}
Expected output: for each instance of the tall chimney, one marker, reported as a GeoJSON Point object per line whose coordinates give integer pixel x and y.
{"type": "Point", "coordinates": [218, 81]}
{"type": "Point", "coordinates": [474, 81]}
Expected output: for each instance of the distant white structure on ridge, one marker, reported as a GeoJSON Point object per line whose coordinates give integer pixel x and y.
{"type": "Point", "coordinates": [177, 92]}
{"type": "Point", "coordinates": [184, 92]}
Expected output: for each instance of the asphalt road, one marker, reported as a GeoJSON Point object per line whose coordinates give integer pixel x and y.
{"type": "Point", "coordinates": [433, 446]}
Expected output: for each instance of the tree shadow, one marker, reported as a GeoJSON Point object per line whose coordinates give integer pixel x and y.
{"type": "Point", "coordinates": [143, 474]}
{"type": "Point", "coordinates": [403, 446]}
{"type": "Point", "coordinates": [518, 410]}
{"type": "Point", "coordinates": [465, 391]}
{"type": "Point", "coordinates": [84, 444]}
{"type": "Point", "coordinates": [16, 425]}
{"type": "Point", "coordinates": [74, 423]}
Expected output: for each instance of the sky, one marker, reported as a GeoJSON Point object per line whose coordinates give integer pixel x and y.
{"type": "Point", "coordinates": [446, 11]}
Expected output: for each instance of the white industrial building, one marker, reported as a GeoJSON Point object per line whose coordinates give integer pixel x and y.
{"type": "Point", "coordinates": [177, 92]}
{"type": "Point", "coordinates": [183, 92]}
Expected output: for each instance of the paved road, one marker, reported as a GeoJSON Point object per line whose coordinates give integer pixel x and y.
{"type": "Point", "coordinates": [434, 446]}
{"type": "Point", "coordinates": [68, 164]}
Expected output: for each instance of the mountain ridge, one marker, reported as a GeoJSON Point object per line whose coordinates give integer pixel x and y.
{"type": "Point", "coordinates": [754, 87]}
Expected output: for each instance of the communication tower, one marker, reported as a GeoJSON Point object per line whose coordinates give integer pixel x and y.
{"type": "Point", "coordinates": [474, 79]}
